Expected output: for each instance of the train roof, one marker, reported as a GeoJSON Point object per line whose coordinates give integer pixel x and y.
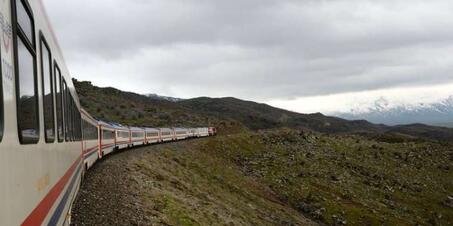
{"type": "Point", "coordinates": [113, 125]}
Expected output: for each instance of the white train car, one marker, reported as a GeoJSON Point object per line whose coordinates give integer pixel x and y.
{"type": "Point", "coordinates": [193, 132]}
{"type": "Point", "coordinates": [181, 133]}
{"type": "Point", "coordinates": [107, 140]}
{"type": "Point", "coordinates": [40, 122]}
{"type": "Point", "coordinates": [90, 143]}
{"type": "Point", "coordinates": [152, 135]}
{"type": "Point", "coordinates": [203, 132]}
{"type": "Point", "coordinates": [166, 134]}
{"type": "Point", "coordinates": [122, 137]}
{"type": "Point", "coordinates": [138, 137]}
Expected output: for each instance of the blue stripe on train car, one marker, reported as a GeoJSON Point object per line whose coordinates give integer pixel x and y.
{"type": "Point", "coordinates": [57, 214]}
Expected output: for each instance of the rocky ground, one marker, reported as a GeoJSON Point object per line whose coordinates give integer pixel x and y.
{"type": "Point", "coordinates": [280, 177]}
{"type": "Point", "coordinates": [175, 184]}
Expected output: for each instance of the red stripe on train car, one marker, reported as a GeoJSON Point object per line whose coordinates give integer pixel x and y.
{"type": "Point", "coordinates": [38, 215]}
{"type": "Point", "coordinates": [89, 149]}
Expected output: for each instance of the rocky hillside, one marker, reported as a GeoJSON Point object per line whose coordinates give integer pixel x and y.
{"type": "Point", "coordinates": [278, 177]}
{"type": "Point", "coordinates": [229, 114]}
{"type": "Point", "coordinates": [347, 179]}
{"type": "Point", "coordinates": [177, 184]}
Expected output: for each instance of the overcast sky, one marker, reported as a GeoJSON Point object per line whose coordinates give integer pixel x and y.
{"type": "Point", "coordinates": [303, 55]}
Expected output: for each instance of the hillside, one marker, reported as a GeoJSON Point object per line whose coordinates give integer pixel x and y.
{"type": "Point", "coordinates": [229, 114]}
{"type": "Point", "coordinates": [278, 177]}
{"type": "Point", "coordinates": [177, 184]}
{"type": "Point", "coordinates": [129, 108]}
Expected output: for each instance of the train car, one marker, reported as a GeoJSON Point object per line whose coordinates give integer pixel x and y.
{"type": "Point", "coordinates": [152, 135]}
{"type": "Point", "coordinates": [107, 141]}
{"type": "Point", "coordinates": [203, 132]}
{"type": "Point", "coordinates": [137, 136]}
{"type": "Point", "coordinates": [166, 134]}
{"type": "Point", "coordinates": [90, 141]}
{"type": "Point", "coordinates": [40, 120]}
{"type": "Point", "coordinates": [181, 133]}
{"type": "Point", "coordinates": [193, 132]}
{"type": "Point", "coordinates": [122, 137]}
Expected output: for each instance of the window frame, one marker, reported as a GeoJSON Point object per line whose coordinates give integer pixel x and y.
{"type": "Point", "coordinates": [30, 45]}
{"type": "Point", "coordinates": [2, 104]}
{"type": "Point", "coordinates": [44, 44]}
{"type": "Point", "coordinates": [65, 105]}
{"type": "Point", "coordinates": [59, 115]}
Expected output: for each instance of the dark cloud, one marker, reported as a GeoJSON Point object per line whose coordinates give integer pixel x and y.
{"type": "Point", "coordinates": [256, 49]}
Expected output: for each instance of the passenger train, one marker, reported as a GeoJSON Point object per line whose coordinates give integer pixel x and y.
{"type": "Point", "coordinates": [47, 141]}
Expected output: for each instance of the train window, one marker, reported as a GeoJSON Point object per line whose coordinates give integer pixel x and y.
{"type": "Point", "coordinates": [107, 135]}
{"type": "Point", "coordinates": [25, 19]}
{"type": "Point", "coordinates": [123, 134]}
{"type": "Point", "coordinates": [90, 132]}
{"type": "Point", "coordinates": [137, 134]}
{"type": "Point", "coordinates": [46, 71]}
{"type": "Point", "coordinates": [1, 106]}
{"type": "Point", "coordinates": [78, 123]}
{"type": "Point", "coordinates": [152, 134]}
{"type": "Point", "coordinates": [74, 120]}
{"type": "Point", "coordinates": [26, 87]}
{"type": "Point", "coordinates": [64, 89]}
{"type": "Point", "coordinates": [28, 116]}
{"type": "Point", "coordinates": [69, 114]}
{"type": "Point", "coordinates": [59, 106]}
{"type": "Point", "coordinates": [68, 106]}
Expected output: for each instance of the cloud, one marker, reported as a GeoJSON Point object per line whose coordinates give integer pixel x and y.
{"type": "Point", "coordinates": [261, 50]}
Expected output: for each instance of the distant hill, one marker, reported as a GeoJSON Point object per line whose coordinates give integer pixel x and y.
{"type": "Point", "coordinates": [229, 114]}
{"type": "Point", "coordinates": [262, 116]}
{"type": "Point", "coordinates": [387, 112]}
{"type": "Point", "coordinates": [158, 97]}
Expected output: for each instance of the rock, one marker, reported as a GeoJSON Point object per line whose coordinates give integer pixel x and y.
{"type": "Point", "coordinates": [449, 201]}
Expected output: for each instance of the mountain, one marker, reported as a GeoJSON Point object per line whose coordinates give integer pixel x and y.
{"type": "Point", "coordinates": [384, 111]}
{"type": "Point", "coordinates": [231, 115]}
{"type": "Point", "coordinates": [262, 116]}
{"type": "Point", "coordinates": [158, 97]}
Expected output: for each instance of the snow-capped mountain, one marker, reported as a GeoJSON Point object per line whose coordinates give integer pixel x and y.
{"type": "Point", "coordinates": [384, 111]}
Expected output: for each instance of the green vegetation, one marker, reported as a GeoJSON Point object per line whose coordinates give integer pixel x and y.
{"type": "Point", "coordinates": [349, 180]}
{"type": "Point", "coordinates": [180, 185]}
{"type": "Point", "coordinates": [285, 177]}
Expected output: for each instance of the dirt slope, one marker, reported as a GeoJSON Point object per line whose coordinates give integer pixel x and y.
{"type": "Point", "coordinates": [174, 184]}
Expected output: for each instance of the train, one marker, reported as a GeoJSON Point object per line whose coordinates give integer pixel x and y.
{"type": "Point", "coordinates": [47, 140]}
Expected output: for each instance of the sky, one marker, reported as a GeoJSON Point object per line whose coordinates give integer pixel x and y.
{"type": "Point", "coordinates": [303, 55]}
